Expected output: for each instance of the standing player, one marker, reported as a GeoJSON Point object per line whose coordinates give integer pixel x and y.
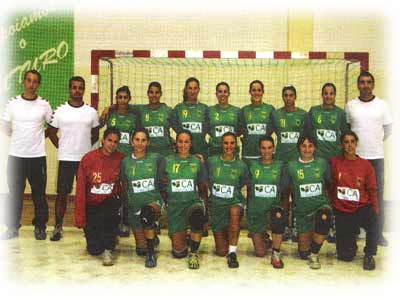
{"type": "Point", "coordinates": [78, 126]}
{"type": "Point", "coordinates": [222, 117]}
{"type": "Point", "coordinates": [227, 175]}
{"type": "Point", "coordinates": [267, 177]}
{"type": "Point", "coordinates": [355, 203]}
{"type": "Point", "coordinates": [96, 200]}
{"type": "Point", "coordinates": [288, 123]}
{"type": "Point", "coordinates": [191, 115]}
{"type": "Point", "coordinates": [126, 121]}
{"type": "Point", "coordinates": [156, 118]}
{"type": "Point", "coordinates": [328, 122]}
{"type": "Point", "coordinates": [138, 177]}
{"type": "Point", "coordinates": [309, 178]}
{"type": "Point", "coordinates": [255, 119]}
{"type": "Point", "coordinates": [370, 118]}
{"type": "Point", "coordinates": [184, 189]}
{"type": "Point", "coordinates": [23, 120]}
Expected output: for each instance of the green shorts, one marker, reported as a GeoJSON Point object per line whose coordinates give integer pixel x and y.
{"type": "Point", "coordinates": [258, 214]}
{"type": "Point", "coordinates": [134, 212]}
{"type": "Point", "coordinates": [178, 215]}
{"type": "Point", "coordinates": [219, 215]}
{"type": "Point", "coordinates": [305, 221]}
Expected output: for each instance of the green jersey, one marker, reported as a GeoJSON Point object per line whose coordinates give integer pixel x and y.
{"type": "Point", "coordinates": [182, 176]}
{"type": "Point", "coordinates": [126, 123]}
{"type": "Point", "coordinates": [157, 122]}
{"type": "Point", "coordinates": [220, 121]}
{"type": "Point", "coordinates": [192, 117]}
{"type": "Point", "coordinates": [255, 124]}
{"type": "Point", "coordinates": [266, 181]}
{"type": "Point", "coordinates": [288, 126]}
{"type": "Point", "coordinates": [309, 183]}
{"type": "Point", "coordinates": [226, 179]}
{"type": "Point", "coordinates": [327, 126]}
{"type": "Point", "coordinates": [141, 177]}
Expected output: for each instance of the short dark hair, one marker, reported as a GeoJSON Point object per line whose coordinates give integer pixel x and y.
{"type": "Point", "coordinates": [304, 137]}
{"type": "Point", "coordinates": [256, 81]}
{"type": "Point", "coordinates": [351, 133]}
{"type": "Point", "coordinates": [112, 130]}
{"type": "Point", "coordinates": [365, 74]}
{"type": "Point", "coordinates": [328, 84]}
{"type": "Point", "coordinates": [78, 79]}
{"type": "Point", "coordinates": [124, 88]}
{"type": "Point", "coordinates": [266, 138]}
{"type": "Point", "coordinates": [35, 72]}
{"type": "Point", "coordinates": [229, 133]}
{"type": "Point", "coordinates": [222, 83]}
{"type": "Point", "coordinates": [289, 88]}
{"type": "Point", "coordinates": [155, 84]}
{"type": "Point", "coordinates": [137, 130]}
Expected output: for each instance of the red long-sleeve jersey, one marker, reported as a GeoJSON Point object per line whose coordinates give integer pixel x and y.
{"type": "Point", "coordinates": [97, 179]}
{"type": "Point", "coordinates": [353, 184]}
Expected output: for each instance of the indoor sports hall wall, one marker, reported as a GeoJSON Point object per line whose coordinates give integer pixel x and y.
{"type": "Point", "coordinates": [256, 30]}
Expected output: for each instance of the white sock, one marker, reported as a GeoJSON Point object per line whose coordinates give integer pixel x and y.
{"type": "Point", "coordinates": [232, 249]}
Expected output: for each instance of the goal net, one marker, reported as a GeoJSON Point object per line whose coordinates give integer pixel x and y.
{"type": "Point", "coordinates": [307, 75]}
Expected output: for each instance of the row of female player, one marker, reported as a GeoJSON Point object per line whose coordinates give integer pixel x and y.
{"type": "Point", "coordinates": [151, 172]}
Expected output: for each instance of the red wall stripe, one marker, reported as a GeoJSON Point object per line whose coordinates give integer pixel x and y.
{"type": "Point", "coordinates": [282, 54]}
{"type": "Point", "coordinates": [176, 54]}
{"type": "Point", "coordinates": [247, 54]}
{"type": "Point", "coordinates": [211, 54]}
{"type": "Point", "coordinates": [363, 57]}
{"type": "Point", "coordinates": [141, 53]}
{"type": "Point", "coordinates": [94, 100]}
{"type": "Point", "coordinates": [317, 55]}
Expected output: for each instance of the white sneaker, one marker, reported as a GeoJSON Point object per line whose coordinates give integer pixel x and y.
{"type": "Point", "coordinates": [107, 258]}
{"type": "Point", "coordinates": [313, 261]}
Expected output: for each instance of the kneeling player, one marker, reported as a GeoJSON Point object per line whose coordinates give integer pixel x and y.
{"type": "Point", "coordinates": [139, 176]}
{"type": "Point", "coordinates": [227, 175]}
{"type": "Point", "coordinates": [184, 183]}
{"type": "Point", "coordinates": [309, 178]}
{"type": "Point", "coordinates": [266, 180]}
{"type": "Point", "coordinates": [355, 202]}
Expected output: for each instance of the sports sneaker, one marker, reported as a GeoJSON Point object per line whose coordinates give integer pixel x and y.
{"type": "Point", "coordinates": [369, 262]}
{"type": "Point", "coordinates": [232, 260]}
{"type": "Point", "coordinates": [57, 234]}
{"type": "Point", "coordinates": [151, 260]}
{"type": "Point", "coordinates": [10, 234]}
{"type": "Point", "coordinates": [276, 260]}
{"type": "Point", "coordinates": [331, 238]}
{"type": "Point", "coordinates": [40, 233]}
{"type": "Point", "coordinates": [193, 261]}
{"type": "Point", "coordinates": [123, 230]}
{"type": "Point", "coordinates": [107, 258]}
{"type": "Point", "coordinates": [293, 235]}
{"type": "Point", "coordinates": [313, 261]}
{"type": "Point", "coordinates": [286, 234]}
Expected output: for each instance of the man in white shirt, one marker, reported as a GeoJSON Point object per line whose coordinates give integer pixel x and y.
{"type": "Point", "coordinates": [23, 120]}
{"type": "Point", "coordinates": [370, 118]}
{"type": "Point", "coordinates": [78, 126]}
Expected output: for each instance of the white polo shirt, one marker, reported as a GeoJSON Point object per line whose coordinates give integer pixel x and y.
{"type": "Point", "coordinates": [26, 119]}
{"type": "Point", "coordinates": [367, 120]}
{"type": "Point", "coordinates": [74, 127]}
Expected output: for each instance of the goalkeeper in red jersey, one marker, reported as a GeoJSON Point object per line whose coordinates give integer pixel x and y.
{"type": "Point", "coordinates": [354, 198]}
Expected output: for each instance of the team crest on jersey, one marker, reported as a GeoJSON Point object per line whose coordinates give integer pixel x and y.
{"type": "Point", "coordinates": [193, 168]}
{"type": "Point", "coordinates": [161, 117]}
{"type": "Point", "coordinates": [317, 173]}
{"type": "Point", "coordinates": [333, 119]}
{"type": "Point", "coordinates": [149, 168]}
{"type": "Point", "coordinates": [234, 173]}
{"type": "Point", "coordinates": [358, 182]}
{"type": "Point", "coordinates": [298, 122]}
{"type": "Point", "coordinates": [248, 116]}
{"type": "Point", "coordinates": [184, 113]}
{"type": "Point", "coordinates": [274, 174]}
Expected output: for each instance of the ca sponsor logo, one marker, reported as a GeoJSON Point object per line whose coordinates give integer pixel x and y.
{"type": "Point", "coordinates": [182, 185]}
{"type": "Point", "coordinates": [143, 185]}
{"type": "Point", "coordinates": [310, 190]}
{"type": "Point", "coordinates": [289, 137]}
{"type": "Point", "coordinates": [155, 131]}
{"type": "Point", "coordinates": [221, 129]}
{"type": "Point", "coordinates": [257, 128]}
{"type": "Point", "coordinates": [222, 190]}
{"type": "Point", "coordinates": [102, 189]}
{"type": "Point", "coordinates": [265, 190]}
{"type": "Point", "coordinates": [348, 194]}
{"type": "Point", "coordinates": [124, 138]}
{"type": "Point", "coordinates": [193, 127]}
{"type": "Point", "coordinates": [326, 135]}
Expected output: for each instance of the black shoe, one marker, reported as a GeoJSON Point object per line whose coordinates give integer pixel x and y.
{"type": "Point", "coordinates": [151, 260]}
{"type": "Point", "coordinates": [57, 234]}
{"type": "Point", "coordinates": [382, 241]}
{"type": "Point", "coordinates": [369, 262]}
{"type": "Point", "coordinates": [40, 233]}
{"type": "Point", "coordinates": [123, 230]}
{"type": "Point", "coordinates": [232, 260]}
{"type": "Point", "coordinates": [205, 233]}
